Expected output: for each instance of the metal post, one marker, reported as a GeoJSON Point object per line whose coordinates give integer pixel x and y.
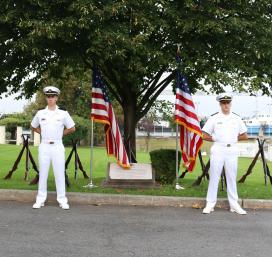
{"type": "Point", "coordinates": [91, 185]}
{"type": "Point", "coordinates": [129, 149]}
{"type": "Point", "coordinates": [261, 144]}
{"type": "Point", "coordinates": [27, 157]}
{"type": "Point", "coordinates": [76, 160]}
{"type": "Point", "coordinates": [178, 187]}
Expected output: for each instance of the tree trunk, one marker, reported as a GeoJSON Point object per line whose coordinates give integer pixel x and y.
{"type": "Point", "coordinates": [130, 123]}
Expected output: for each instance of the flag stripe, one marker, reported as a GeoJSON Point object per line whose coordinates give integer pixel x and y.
{"type": "Point", "coordinates": [184, 99]}
{"type": "Point", "coordinates": [186, 117]}
{"type": "Point", "coordinates": [190, 111]}
{"type": "Point", "coordinates": [102, 112]}
{"type": "Point", "coordinates": [191, 117]}
{"type": "Point", "coordinates": [183, 121]}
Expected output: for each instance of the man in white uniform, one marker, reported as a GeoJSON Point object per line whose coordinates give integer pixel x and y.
{"type": "Point", "coordinates": [52, 123]}
{"type": "Point", "coordinates": [224, 128]}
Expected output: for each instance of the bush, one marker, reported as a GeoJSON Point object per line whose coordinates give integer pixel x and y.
{"type": "Point", "coordinates": [83, 126]}
{"type": "Point", "coordinates": [164, 163]}
{"type": "Point", "coordinates": [14, 120]}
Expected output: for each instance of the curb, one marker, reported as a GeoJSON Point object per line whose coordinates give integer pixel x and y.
{"type": "Point", "coordinates": [28, 196]}
{"type": "Point", "coordinates": [257, 204]}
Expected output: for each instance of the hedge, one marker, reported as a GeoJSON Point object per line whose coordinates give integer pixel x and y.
{"type": "Point", "coordinates": [164, 163]}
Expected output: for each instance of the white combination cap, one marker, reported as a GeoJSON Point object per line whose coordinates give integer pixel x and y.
{"type": "Point", "coordinates": [51, 90]}
{"type": "Point", "coordinates": [224, 97]}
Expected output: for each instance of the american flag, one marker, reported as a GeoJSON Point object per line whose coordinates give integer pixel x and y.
{"type": "Point", "coordinates": [102, 112]}
{"type": "Point", "coordinates": [186, 117]}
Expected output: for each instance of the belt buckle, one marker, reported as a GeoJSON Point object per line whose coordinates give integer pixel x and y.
{"type": "Point", "coordinates": [228, 145]}
{"type": "Point", "coordinates": [51, 142]}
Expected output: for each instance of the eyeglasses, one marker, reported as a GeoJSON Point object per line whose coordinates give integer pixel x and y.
{"type": "Point", "coordinates": [50, 96]}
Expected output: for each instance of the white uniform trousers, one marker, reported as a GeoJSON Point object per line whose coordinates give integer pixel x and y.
{"type": "Point", "coordinates": [222, 156]}
{"type": "Point", "coordinates": [54, 153]}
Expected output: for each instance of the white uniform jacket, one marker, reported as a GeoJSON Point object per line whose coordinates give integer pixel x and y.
{"type": "Point", "coordinates": [52, 123]}
{"type": "Point", "coordinates": [225, 129]}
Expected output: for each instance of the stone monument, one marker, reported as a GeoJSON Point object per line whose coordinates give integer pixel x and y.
{"type": "Point", "coordinates": [140, 175]}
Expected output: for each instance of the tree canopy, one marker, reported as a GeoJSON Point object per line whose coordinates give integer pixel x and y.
{"type": "Point", "coordinates": [74, 97]}
{"type": "Point", "coordinates": [223, 42]}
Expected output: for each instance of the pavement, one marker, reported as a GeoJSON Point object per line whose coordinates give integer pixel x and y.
{"type": "Point", "coordinates": [131, 231]}
{"type": "Point", "coordinates": [28, 196]}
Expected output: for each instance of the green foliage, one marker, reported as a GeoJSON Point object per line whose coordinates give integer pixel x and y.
{"type": "Point", "coordinates": [165, 109]}
{"type": "Point", "coordinates": [99, 134]}
{"type": "Point", "coordinates": [14, 120]}
{"type": "Point", "coordinates": [222, 42]}
{"type": "Point", "coordinates": [164, 163]}
{"type": "Point", "coordinates": [31, 108]}
{"type": "Point", "coordinates": [226, 42]}
{"type": "Point", "coordinates": [75, 93]}
{"type": "Point", "coordinates": [161, 110]}
{"type": "Point", "coordinates": [83, 127]}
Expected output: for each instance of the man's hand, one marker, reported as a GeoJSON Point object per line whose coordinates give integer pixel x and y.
{"type": "Point", "coordinates": [69, 131]}
{"type": "Point", "coordinates": [242, 137]}
{"type": "Point", "coordinates": [37, 130]}
{"type": "Point", "coordinates": [207, 137]}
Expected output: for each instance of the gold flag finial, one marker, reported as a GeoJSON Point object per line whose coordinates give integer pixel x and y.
{"type": "Point", "coordinates": [178, 50]}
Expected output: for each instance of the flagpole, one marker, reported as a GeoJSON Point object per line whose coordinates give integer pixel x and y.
{"type": "Point", "coordinates": [91, 185]}
{"type": "Point", "coordinates": [178, 187]}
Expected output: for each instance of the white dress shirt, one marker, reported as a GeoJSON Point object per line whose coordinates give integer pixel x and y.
{"type": "Point", "coordinates": [225, 128]}
{"type": "Point", "coordinates": [52, 123]}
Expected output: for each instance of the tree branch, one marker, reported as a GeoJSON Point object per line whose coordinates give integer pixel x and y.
{"type": "Point", "coordinates": [88, 64]}
{"type": "Point", "coordinates": [108, 84]}
{"type": "Point", "coordinates": [111, 89]}
{"type": "Point", "coordinates": [150, 91]}
{"type": "Point", "coordinates": [154, 97]}
{"type": "Point", "coordinates": [111, 76]}
{"type": "Point", "coordinates": [171, 76]}
{"type": "Point", "coordinates": [155, 79]}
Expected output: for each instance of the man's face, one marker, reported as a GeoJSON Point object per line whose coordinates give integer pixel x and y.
{"type": "Point", "coordinates": [225, 106]}
{"type": "Point", "coordinates": [51, 99]}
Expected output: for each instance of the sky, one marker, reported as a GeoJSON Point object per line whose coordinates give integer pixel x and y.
{"type": "Point", "coordinates": [11, 105]}
{"type": "Point", "coordinates": [244, 105]}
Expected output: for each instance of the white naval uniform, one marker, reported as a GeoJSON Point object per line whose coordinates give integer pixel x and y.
{"type": "Point", "coordinates": [52, 124]}
{"type": "Point", "coordinates": [224, 130]}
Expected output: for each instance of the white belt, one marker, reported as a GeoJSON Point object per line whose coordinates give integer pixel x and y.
{"type": "Point", "coordinates": [225, 144]}
{"type": "Point", "coordinates": [52, 142]}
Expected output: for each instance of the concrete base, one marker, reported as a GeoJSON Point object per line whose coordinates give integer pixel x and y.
{"type": "Point", "coordinates": [138, 176]}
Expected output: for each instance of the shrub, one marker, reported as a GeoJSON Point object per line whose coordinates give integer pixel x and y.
{"type": "Point", "coordinates": [82, 130]}
{"type": "Point", "coordinates": [164, 163]}
{"type": "Point", "coordinates": [83, 127]}
{"type": "Point", "coordinates": [14, 120]}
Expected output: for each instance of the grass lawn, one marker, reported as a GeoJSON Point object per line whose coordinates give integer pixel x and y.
{"type": "Point", "coordinates": [252, 188]}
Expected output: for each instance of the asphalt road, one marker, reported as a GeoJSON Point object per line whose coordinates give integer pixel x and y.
{"type": "Point", "coordinates": [100, 231]}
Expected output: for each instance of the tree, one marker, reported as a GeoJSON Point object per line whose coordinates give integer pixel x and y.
{"type": "Point", "coordinates": [75, 98]}
{"type": "Point", "coordinates": [161, 110]}
{"type": "Point", "coordinates": [75, 94]}
{"type": "Point", "coordinates": [223, 42]}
